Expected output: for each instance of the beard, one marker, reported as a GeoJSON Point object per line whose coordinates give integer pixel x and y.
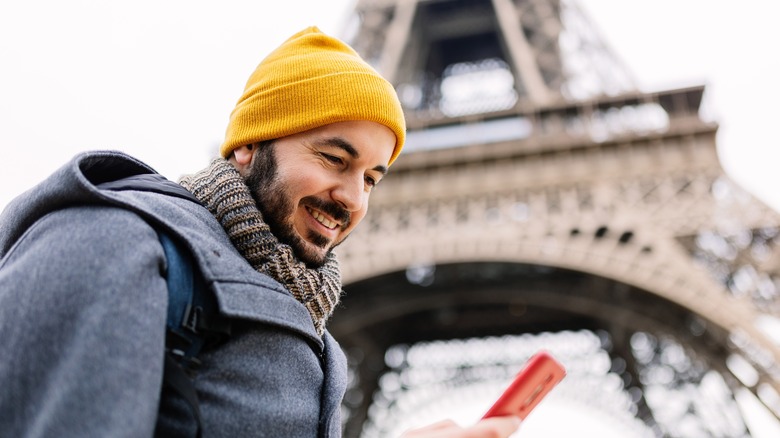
{"type": "Point", "coordinates": [276, 206]}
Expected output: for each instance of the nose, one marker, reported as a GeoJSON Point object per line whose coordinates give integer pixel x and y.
{"type": "Point", "coordinates": [349, 193]}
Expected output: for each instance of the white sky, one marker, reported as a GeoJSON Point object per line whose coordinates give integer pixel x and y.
{"type": "Point", "coordinates": [158, 79]}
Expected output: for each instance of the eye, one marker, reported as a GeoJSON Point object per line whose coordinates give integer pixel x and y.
{"type": "Point", "coordinates": [332, 158]}
{"type": "Point", "coordinates": [371, 182]}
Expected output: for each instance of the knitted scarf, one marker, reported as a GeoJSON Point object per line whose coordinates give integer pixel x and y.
{"type": "Point", "coordinates": [223, 191]}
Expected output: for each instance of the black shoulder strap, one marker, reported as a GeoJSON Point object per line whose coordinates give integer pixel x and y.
{"type": "Point", "coordinates": [192, 321]}
{"type": "Point", "coordinates": [181, 345]}
{"type": "Point", "coordinates": [149, 182]}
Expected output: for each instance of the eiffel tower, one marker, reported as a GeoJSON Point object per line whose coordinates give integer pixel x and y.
{"type": "Point", "coordinates": [544, 202]}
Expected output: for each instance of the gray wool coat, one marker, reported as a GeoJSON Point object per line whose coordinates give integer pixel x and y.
{"type": "Point", "coordinates": [82, 319]}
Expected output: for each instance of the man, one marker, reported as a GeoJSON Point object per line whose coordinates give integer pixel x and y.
{"type": "Point", "coordinates": [83, 292]}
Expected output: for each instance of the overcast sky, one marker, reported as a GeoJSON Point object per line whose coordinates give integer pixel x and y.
{"type": "Point", "coordinates": [158, 79]}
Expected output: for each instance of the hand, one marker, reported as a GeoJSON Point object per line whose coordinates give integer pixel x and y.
{"type": "Point", "coordinates": [495, 427]}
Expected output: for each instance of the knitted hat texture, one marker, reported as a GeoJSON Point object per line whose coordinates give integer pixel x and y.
{"type": "Point", "coordinates": [312, 80]}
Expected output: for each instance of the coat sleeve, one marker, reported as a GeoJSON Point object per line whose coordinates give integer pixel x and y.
{"type": "Point", "coordinates": [82, 326]}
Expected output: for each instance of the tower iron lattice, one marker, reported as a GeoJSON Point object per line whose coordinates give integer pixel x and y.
{"type": "Point", "coordinates": [543, 201]}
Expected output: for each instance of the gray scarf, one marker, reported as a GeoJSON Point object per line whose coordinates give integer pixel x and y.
{"type": "Point", "coordinates": [223, 191]}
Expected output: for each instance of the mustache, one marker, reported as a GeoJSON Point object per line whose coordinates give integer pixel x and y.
{"type": "Point", "coordinates": [332, 209]}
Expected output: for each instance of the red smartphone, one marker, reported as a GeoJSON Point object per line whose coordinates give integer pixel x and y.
{"type": "Point", "coordinates": [540, 374]}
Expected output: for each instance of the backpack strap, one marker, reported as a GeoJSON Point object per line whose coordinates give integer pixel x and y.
{"type": "Point", "coordinates": [193, 322]}
{"type": "Point", "coordinates": [193, 316]}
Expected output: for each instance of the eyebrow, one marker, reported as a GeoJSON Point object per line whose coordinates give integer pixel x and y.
{"type": "Point", "coordinates": [349, 149]}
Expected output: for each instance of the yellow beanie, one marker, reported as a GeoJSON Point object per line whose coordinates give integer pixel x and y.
{"type": "Point", "coordinates": [312, 80]}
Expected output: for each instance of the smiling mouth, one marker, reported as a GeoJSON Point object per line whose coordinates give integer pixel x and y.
{"type": "Point", "coordinates": [327, 223]}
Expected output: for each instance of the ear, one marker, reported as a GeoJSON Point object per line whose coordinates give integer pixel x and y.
{"type": "Point", "coordinates": [242, 158]}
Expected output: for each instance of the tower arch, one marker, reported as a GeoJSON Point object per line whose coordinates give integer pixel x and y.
{"type": "Point", "coordinates": [542, 194]}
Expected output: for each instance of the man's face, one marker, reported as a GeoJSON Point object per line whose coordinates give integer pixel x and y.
{"type": "Point", "coordinates": [313, 187]}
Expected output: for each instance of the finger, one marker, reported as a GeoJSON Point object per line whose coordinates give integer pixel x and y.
{"type": "Point", "coordinates": [424, 431]}
{"type": "Point", "coordinates": [496, 427]}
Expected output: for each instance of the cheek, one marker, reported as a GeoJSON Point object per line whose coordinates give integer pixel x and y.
{"type": "Point", "coordinates": [312, 178]}
{"type": "Point", "coordinates": [297, 184]}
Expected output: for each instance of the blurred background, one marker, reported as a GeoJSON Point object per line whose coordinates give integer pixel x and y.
{"type": "Point", "coordinates": [618, 210]}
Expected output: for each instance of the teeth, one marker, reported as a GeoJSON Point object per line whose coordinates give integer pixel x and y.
{"type": "Point", "coordinates": [322, 219]}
